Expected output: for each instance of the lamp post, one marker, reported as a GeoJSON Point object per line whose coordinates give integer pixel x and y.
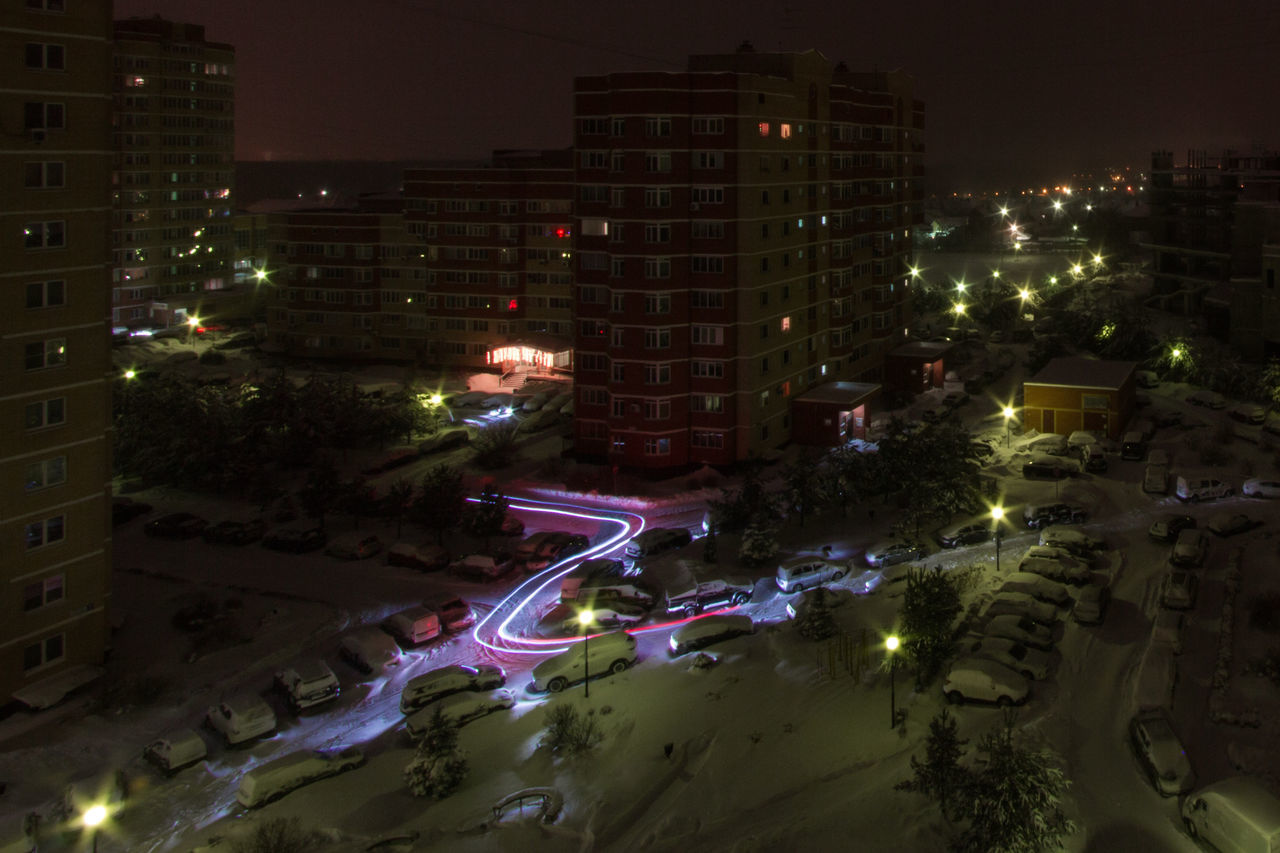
{"type": "Point", "coordinates": [192, 323]}
{"type": "Point", "coordinates": [997, 516]}
{"type": "Point", "coordinates": [586, 619]}
{"type": "Point", "coordinates": [891, 645]}
{"type": "Point", "coordinates": [1008, 425]}
{"type": "Point", "coordinates": [92, 819]}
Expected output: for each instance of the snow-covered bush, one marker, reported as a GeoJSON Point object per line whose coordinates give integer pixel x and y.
{"type": "Point", "coordinates": [279, 835]}
{"type": "Point", "coordinates": [816, 623]}
{"type": "Point", "coordinates": [439, 766]}
{"type": "Point", "coordinates": [570, 731]}
{"type": "Point", "coordinates": [759, 545]}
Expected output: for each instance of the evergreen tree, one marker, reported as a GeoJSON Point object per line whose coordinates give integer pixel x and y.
{"type": "Point", "coordinates": [442, 502]}
{"type": "Point", "coordinates": [439, 766]}
{"type": "Point", "coordinates": [759, 544]}
{"type": "Point", "coordinates": [940, 775]}
{"type": "Point", "coordinates": [929, 607]}
{"type": "Point", "coordinates": [487, 516]}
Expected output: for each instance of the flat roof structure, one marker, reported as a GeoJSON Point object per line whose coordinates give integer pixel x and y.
{"type": "Point", "coordinates": [1077, 372]}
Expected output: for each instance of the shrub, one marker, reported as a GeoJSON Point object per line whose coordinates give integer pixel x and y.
{"type": "Point", "coordinates": [495, 446]}
{"type": "Point", "coordinates": [816, 623]}
{"type": "Point", "coordinates": [439, 766]}
{"type": "Point", "coordinates": [279, 835]}
{"type": "Point", "coordinates": [569, 731]}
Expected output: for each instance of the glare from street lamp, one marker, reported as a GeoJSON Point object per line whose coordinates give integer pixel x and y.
{"type": "Point", "coordinates": [129, 374]}
{"type": "Point", "coordinates": [1008, 412]}
{"type": "Point", "coordinates": [193, 321]}
{"type": "Point", "coordinates": [1077, 269]}
{"type": "Point", "coordinates": [586, 618]}
{"type": "Point", "coordinates": [435, 399]}
{"type": "Point", "coordinates": [960, 285]}
{"type": "Point", "coordinates": [891, 642]}
{"type": "Point", "coordinates": [1025, 294]}
{"type": "Point", "coordinates": [959, 308]}
{"type": "Point", "coordinates": [94, 816]}
{"type": "Point", "coordinates": [997, 513]}
{"type": "Point", "coordinates": [1175, 354]}
{"type": "Point", "coordinates": [915, 272]}
{"type": "Point", "coordinates": [260, 275]}
{"type": "Point", "coordinates": [1004, 211]}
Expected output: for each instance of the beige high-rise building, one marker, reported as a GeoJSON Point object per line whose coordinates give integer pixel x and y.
{"type": "Point", "coordinates": [174, 140]}
{"type": "Point", "coordinates": [55, 284]}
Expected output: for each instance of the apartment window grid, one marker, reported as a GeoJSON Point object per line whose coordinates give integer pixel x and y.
{"type": "Point", "coordinates": [657, 410]}
{"type": "Point", "coordinates": [46, 294]}
{"type": "Point", "coordinates": [657, 447]}
{"type": "Point", "coordinates": [46, 57]}
{"type": "Point", "coordinates": [45, 413]}
{"type": "Point", "coordinates": [45, 354]}
{"type": "Point", "coordinates": [45, 473]}
{"type": "Point", "coordinates": [657, 303]}
{"type": "Point", "coordinates": [48, 651]}
{"type": "Point", "coordinates": [658, 126]}
{"type": "Point", "coordinates": [42, 593]}
{"type": "Point", "coordinates": [47, 531]}
{"type": "Point", "coordinates": [44, 175]}
{"type": "Point", "coordinates": [657, 338]}
{"type": "Point", "coordinates": [707, 403]}
{"type": "Point", "coordinates": [703, 125]}
{"type": "Point", "coordinates": [708, 440]}
{"type": "Point", "coordinates": [657, 374]}
{"type": "Point", "coordinates": [657, 268]}
{"type": "Point", "coordinates": [657, 197]}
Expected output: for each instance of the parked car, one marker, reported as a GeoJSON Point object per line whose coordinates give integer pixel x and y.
{"type": "Point", "coordinates": [242, 718]}
{"type": "Point", "coordinates": [982, 680]}
{"type": "Point", "coordinates": [1155, 479]}
{"type": "Point", "coordinates": [560, 546]}
{"type": "Point", "coordinates": [176, 525]}
{"type": "Point", "coordinates": [354, 547]}
{"type": "Point", "coordinates": [460, 709]}
{"type": "Point", "coordinates": [1161, 753]}
{"type": "Point", "coordinates": [1261, 488]}
{"type": "Point", "coordinates": [1032, 664]}
{"type": "Point", "coordinates": [454, 612]}
{"type": "Point", "coordinates": [615, 615]}
{"type": "Point", "coordinates": [1037, 586]}
{"type": "Point", "coordinates": [307, 683]}
{"type": "Point", "coordinates": [1095, 459]}
{"type": "Point", "coordinates": [655, 540]}
{"type": "Point", "coordinates": [1042, 515]}
{"type": "Point", "coordinates": [802, 573]}
{"type": "Point", "coordinates": [609, 654]}
{"type": "Point", "coordinates": [1178, 591]}
{"type": "Point", "coordinates": [1022, 629]}
{"type": "Point", "coordinates": [1063, 568]}
{"type": "Point", "coordinates": [424, 558]}
{"type": "Point", "coordinates": [1091, 604]}
{"type": "Point", "coordinates": [1022, 604]}
{"type": "Point", "coordinates": [413, 626]}
{"type": "Point", "coordinates": [446, 680]}
{"type": "Point", "coordinates": [232, 532]}
{"type": "Point", "coordinates": [176, 750]}
{"type": "Point", "coordinates": [1196, 489]}
{"type": "Point", "coordinates": [820, 596]}
{"type": "Point", "coordinates": [1248, 413]}
{"type": "Point", "coordinates": [703, 632]}
{"type": "Point", "coordinates": [1166, 529]}
{"type": "Point", "coordinates": [269, 782]}
{"type": "Point", "coordinates": [483, 567]}
{"type": "Point", "coordinates": [975, 529]}
{"type": "Point", "coordinates": [1207, 399]}
{"type": "Point", "coordinates": [1071, 539]}
{"type": "Point", "coordinates": [1189, 549]}
{"type": "Point", "coordinates": [124, 510]}
{"type": "Point", "coordinates": [296, 540]}
{"type": "Point", "coordinates": [1049, 468]}
{"type": "Point", "coordinates": [369, 650]}
{"type": "Point", "coordinates": [890, 552]}
{"type": "Point", "coordinates": [1236, 813]}
{"type": "Point", "coordinates": [1230, 523]}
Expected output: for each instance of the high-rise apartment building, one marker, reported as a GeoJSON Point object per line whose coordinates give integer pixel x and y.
{"type": "Point", "coordinates": [55, 178]}
{"type": "Point", "coordinates": [174, 146]}
{"type": "Point", "coordinates": [743, 233]}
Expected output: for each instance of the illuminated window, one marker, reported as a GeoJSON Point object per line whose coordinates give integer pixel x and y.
{"type": "Point", "coordinates": [764, 128]}
{"type": "Point", "coordinates": [707, 403]}
{"type": "Point", "coordinates": [786, 324]}
{"type": "Point", "coordinates": [784, 131]}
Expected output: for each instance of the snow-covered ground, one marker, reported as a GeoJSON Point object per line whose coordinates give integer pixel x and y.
{"type": "Point", "coordinates": [784, 744]}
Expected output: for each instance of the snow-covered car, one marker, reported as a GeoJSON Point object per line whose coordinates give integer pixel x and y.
{"type": "Point", "coordinates": [1190, 548]}
{"type": "Point", "coordinates": [1037, 516]}
{"type": "Point", "coordinates": [307, 683]}
{"type": "Point", "coordinates": [1178, 592]}
{"type": "Point", "coordinates": [369, 650]}
{"type": "Point", "coordinates": [1230, 523]}
{"type": "Point", "coordinates": [1160, 751]}
{"type": "Point", "coordinates": [425, 557]}
{"type": "Point", "coordinates": [1207, 399]}
{"type": "Point", "coordinates": [614, 615]}
{"type": "Point", "coordinates": [1091, 604]}
{"type": "Point", "coordinates": [1036, 586]}
{"type": "Point", "coordinates": [174, 750]}
{"type": "Point", "coordinates": [984, 680]}
{"type": "Point", "coordinates": [1071, 539]}
{"type": "Point", "coordinates": [355, 547]}
{"type": "Point", "coordinates": [890, 552]}
{"type": "Point", "coordinates": [607, 654]}
{"type": "Point", "coordinates": [1167, 528]}
{"type": "Point", "coordinates": [1261, 488]}
{"type": "Point", "coordinates": [1022, 604]}
{"type": "Point", "coordinates": [1050, 443]}
{"type": "Point", "coordinates": [1064, 569]}
{"type": "Point", "coordinates": [1248, 413]}
{"type": "Point", "coordinates": [1022, 629]}
{"type": "Point", "coordinates": [1033, 664]}
{"type": "Point", "coordinates": [1155, 479]}
{"type": "Point", "coordinates": [454, 612]}
{"type": "Point", "coordinates": [820, 596]}
{"type": "Point", "coordinates": [271, 781]}
{"type": "Point", "coordinates": [241, 718]}
{"type": "Point", "coordinates": [447, 680]}
{"type": "Point", "coordinates": [703, 632]}
{"type": "Point", "coordinates": [1046, 467]}
{"type": "Point", "coordinates": [557, 547]}
{"type": "Point", "coordinates": [460, 708]}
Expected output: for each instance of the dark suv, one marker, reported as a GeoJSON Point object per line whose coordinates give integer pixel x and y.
{"type": "Point", "coordinates": [1043, 515]}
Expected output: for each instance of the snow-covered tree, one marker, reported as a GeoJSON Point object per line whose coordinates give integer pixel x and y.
{"type": "Point", "coordinates": [940, 776]}
{"type": "Point", "coordinates": [1014, 803]}
{"type": "Point", "coordinates": [816, 622]}
{"type": "Point", "coordinates": [759, 544]}
{"type": "Point", "coordinates": [930, 605]}
{"type": "Point", "coordinates": [442, 502]}
{"type": "Point", "coordinates": [734, 510]}
{"type": "Point", "coordinates": [439, 766]}
{"type": "Point", "coordinates": [487, 516]}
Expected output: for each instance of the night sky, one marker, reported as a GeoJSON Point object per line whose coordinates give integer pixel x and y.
{"type": "Point", "coordinates": [1014, 91]}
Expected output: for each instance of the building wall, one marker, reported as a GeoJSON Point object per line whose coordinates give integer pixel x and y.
{"type": "Point", "coordinates": [55, 533]}
{"type": "Point", "coordinates": [174, 144]}
{"type": "Point", "coordinates": [1063, 410]}
{"type": "Point", "coordinates": [743, 234]}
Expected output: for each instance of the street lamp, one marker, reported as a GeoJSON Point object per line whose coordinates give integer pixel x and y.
{"type": "Point", "coordinates": [192, 323]}
{"type": "Point", "coordinates": [586, 618]}
{"type": "Point", "coordinates": [1008, 425]}
{"type": "Point", "coordinates": [891, 645]}
{"type": "Point", "coordinates": [92, 819]}
{"type": "Point", "coordinates": [997, 516]}
{"type": "Point", "coordinates": [260, 276]}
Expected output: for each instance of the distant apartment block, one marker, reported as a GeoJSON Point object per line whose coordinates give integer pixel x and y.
{"type": "Point", "coordinates": [55, 533]}
{"type": "Point", "coordinates": [1215, 221]}
{"type": "Point", "coordinates": [743, 234]}
{"type": "Point", "coordinates": [174, 148]}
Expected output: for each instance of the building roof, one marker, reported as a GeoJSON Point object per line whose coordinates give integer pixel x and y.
{"type": "Point", "coordinates": [847, 393]}
{"type": "Point", "coordinates": [927, 350]}
{"type": "Point", "coordinates": [1074, 371]}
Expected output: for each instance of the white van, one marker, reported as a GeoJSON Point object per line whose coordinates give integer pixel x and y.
{"type": "Point", "coordinates": [1196, 489]}
{"type": "Point", "coordinates": [175, 750]}
{"type": "Point", "coordinates": [1236, 814]}
{"type": "Point", "coordinates": [271, 781]}
{"type": "Point", "coordinates": [309, 682]}
{"type": "Point", "coordinates": [413, 626]}
{"type": "Point", "coordinates": [242, 718]}
{"type": "Point", "coordinates": [804, 573]}
{"type": "Point", "coordinates": [610, 653]}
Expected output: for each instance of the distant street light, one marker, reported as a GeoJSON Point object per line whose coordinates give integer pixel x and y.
{"type": "Point", "coordinates": [193, 323]}
{"type": "Point", "coordinates": [93, 818]}
{"type": "Point", "coordinates": [891, 644]}
{"type": "Point", "coordinates": [260, 276]}
{"type": "Point", "coordinates": [586, 618]}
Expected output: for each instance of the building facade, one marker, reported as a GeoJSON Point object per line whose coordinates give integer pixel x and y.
{"type": "Point", "coordinates": [55, 475]}
{"type": "Point", "coordinates": [174, 169]}
{"type": "Point", "coordinates": [743, 233]}
{"type": "Point", "coordinates": [1073, 393]}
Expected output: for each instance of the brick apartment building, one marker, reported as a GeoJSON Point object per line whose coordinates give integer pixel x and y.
{"type": "Point", "coordinates": [743, 235]}
{"type": "Point", "coordinates": [55, 533]}
{"type": "Point", "coordinates": [174, 145]}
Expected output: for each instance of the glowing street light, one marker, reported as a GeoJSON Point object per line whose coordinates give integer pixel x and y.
{"type": "Point", "coordinates": [94, 817]}
{"type": "Point", "coordinates": [130, 373]}
{"type": "Point", "coordinates": [959, 309]}
{"type": "Point", "coordinates": [1076, 269]}
{"type": "Point", "coordinates": [1053, 279]}
{"type": "Point", "coordinates": [1008, 425]}
{"type": "Point", "coordinates": [260, 276]}
{"type": "Point", "coordinates": [997, 516]}
{"type": "Point", "coordinates": [960, 285]}
{"type": "Point", "coordinates": [1004, 211]}
{"type": "Point", "coordinates": [193, 323]}
{"type": "Point", "coordinates": [891, 644]}
{"type": "Point", "coordinates": [586, 618]}
{"type": "Point", "coordinates": [1057, 204]}
{"type": "Point", "coordinates": [1024, 294]}
{"type": "Point", "coordinates": [915, 272]}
